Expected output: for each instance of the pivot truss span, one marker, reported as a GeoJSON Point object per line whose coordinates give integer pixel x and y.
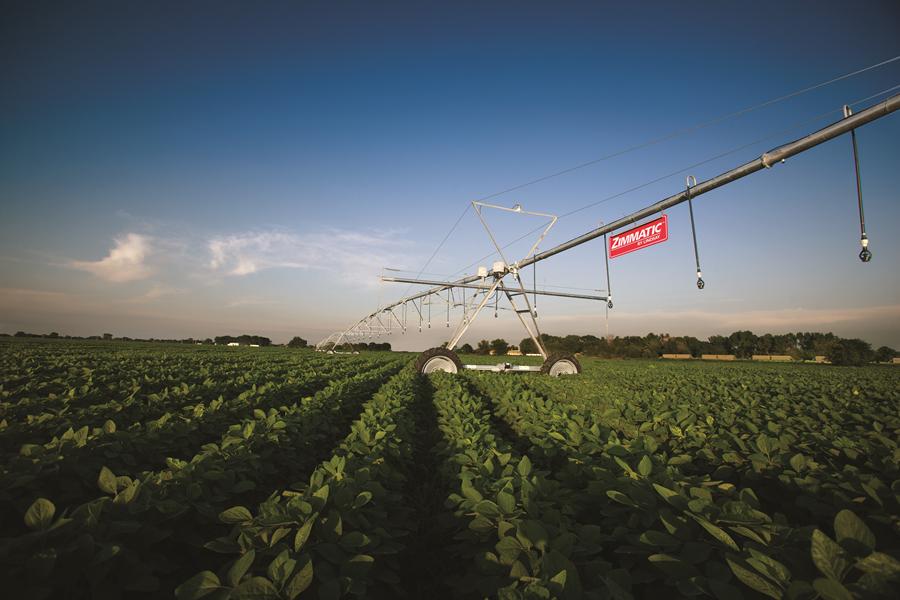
{"type": "Point", "coordinates": [489, 286]}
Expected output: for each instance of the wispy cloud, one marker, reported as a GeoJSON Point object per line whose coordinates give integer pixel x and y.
{"type": "Point", "coordinates": [244, 302]}
{"type": "Point", "coordinates": [125, 261]}
{"type": "Point", "coordinates": [156, 291]}
{"type": "Point", "coordinates": [352, 254]}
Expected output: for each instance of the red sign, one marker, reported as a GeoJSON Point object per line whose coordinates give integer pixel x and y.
{"type": "Point", "coordinates": [648, 234]}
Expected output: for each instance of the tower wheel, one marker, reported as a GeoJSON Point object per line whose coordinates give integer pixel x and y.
{"type": "Point", "coordinates": [438, 359]}
{"type": "Point", "coordinates": [561, 363]}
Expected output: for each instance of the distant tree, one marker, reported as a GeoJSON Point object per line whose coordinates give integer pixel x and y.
{"type": "Point", "coordinates": [484, 347]}
{"type": "Point", "coordinates": [297, 342]}
{"type": "Point", "coordinates": [384, 347]}
{"type": "Point", "coordinates": [850, 352]}
{"type": "Point", "coordinates": [676, 345]}
{"type": "Point", "coordinates": [742, 343]}
{"type": "Point", "coordinates": [107, 336]}
{"type": "Point", "coordinates": [244, 340]}
{"type": "Point", "coordinates": [885, 354]}
{"type": "Point", "coordinates": [466, 349]}
{"type": "Point", "coordinates": [53, 334]}
{"type": "Point", "coordinates": [499, 346]}
{"type": "Point", "coordinates": [572, 344]}
{"type": "Point", "coordinates": [527, 346]}
{"type": "Point", "coordinates": [718, 344]}
{"type": "Point", "coordinates": [207, 341]}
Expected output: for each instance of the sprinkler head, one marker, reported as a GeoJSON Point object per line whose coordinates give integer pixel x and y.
{"type": "Point", "coordinates": [609, 304]}
{"type": "Point", "coordinates": [865, 255]}
{"type": "Point", "coordinates": [700, 283]}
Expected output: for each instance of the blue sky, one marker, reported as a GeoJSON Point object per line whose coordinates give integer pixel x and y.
{"type": "Point", "coordinates": [194, 169]}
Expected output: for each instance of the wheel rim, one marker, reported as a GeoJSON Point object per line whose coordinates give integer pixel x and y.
{"type": "Point", "coordinates": [439, 363]}
{"type": "Point", "coordinates": [563, 367]}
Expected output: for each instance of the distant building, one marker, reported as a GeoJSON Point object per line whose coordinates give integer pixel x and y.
{"type": "Point", "coordinates": [233, 344]}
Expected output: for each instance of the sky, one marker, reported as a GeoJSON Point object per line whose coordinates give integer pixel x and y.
{"type": "Point", "coordinates": [174, 169]}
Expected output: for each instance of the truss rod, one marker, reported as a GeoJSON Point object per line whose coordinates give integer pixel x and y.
{"type": "Point", "coordinates": [472, 286]}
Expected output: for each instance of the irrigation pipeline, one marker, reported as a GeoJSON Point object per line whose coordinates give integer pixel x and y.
{"type": "Point", "coordinates": [766, 161]}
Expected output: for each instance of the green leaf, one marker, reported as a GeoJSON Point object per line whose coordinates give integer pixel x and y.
{"type": "Point", "coordinates": [107, 481]}
{"type": "Point", "coordinates": [672, 566]}
{"type": "Point", "coordinates": [235, 514]}
{"type": "Point", "coordinates": [506, 502]}
{"type": "Point", "coordinates": [470, 492]}
{"type": "Point", "coordinates": [658, 539]}
{"type": "Point", "coordinates": [828, 556]}
{"type": "Point", "coordinates": [303, 533]}
{"type": "Point", "coordinates": [532, 533]}
{"type": "Point", "coordinates": [508, 549]}
{"type": "Point", "coordinates": [39, 515]}
{"type": "Point", "coordinates": [645, 467]}
{"type": "Point", "coordinates": [199, 585]}
{"type": "Point", "coordinates": [524, 467]}
{"type": "Point", "coordinates": [322, 493]}
{"type": "Point", "coordinates": [488, 509]}
{"type": "Point", "coordinates": [666, 493]}
{"type": "Point", "coordinates": [362, 499]}
{"type": "Point", "coordinates": [620, 497]}
{"type": "Point", "coordinates": [281, 568]}
{"type": "Point", "coordinates": [239, 568]}
{"type": "Point", "coordinates": [798, 461]}
{"type": "Point", "coordinates": [354, 539]}
{"type": "Point", "coordinates": [769, 567]}
{"type": "Point", "coordinates": [716, 532]}
{"type": "Point", "coordinates": [298, 584]}
{"type": "Point", "coordinates": [847, 526]}
{"type": "Point", "coordinates": [256, 588]}
{"type": "Point", "coordinates": [879, 563]}
{"type": "Point", "coordinates": [358, 566]}
{"type": "Point", "coordinates": [830, 589]}
{"type": "Point", "coordinates": [752, 580]}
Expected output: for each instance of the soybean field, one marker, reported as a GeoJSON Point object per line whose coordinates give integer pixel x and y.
{"type": "Point", "coordinates": [134, 470]}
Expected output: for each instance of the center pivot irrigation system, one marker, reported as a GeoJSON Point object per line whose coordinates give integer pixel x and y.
{"type": "Point", "coordinates": [505, 278]}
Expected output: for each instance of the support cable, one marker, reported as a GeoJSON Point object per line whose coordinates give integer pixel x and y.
{"type": "Point", "coordinates": [609, 302]}
{"type": "Point", "coordinates": [690, 182]}
{"type": "Point", "coordinates": [865, 254]}
{"type": "Point", "coordinates": [441, 245]}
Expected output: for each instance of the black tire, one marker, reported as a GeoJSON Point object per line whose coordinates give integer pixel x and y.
{"type": "Point", "coordinates": [438, 359]}
{"type": "Point", "coordinates": [566, 363]}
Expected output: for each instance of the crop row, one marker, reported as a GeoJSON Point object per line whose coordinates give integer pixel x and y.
{"type": "Point", "coordinates": [137, 404]}
{"type": "Point", "coordinates": [828, 448]}
{"type": "Point", "coordinates": [37, 380]}
{"type": "Point", "coordinates": [694, 533]}
{"type": "Point", "coordinates": [340, 533]}
{"type": "Point", "coordinates": [145, 532]}
{"type": "Point", "coordinates": [64, 468]}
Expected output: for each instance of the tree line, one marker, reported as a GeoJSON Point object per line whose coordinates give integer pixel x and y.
{"type": "Point", "coordinates": [742, 344]}
{"type": "Point", "coordinates": [244, 340]}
